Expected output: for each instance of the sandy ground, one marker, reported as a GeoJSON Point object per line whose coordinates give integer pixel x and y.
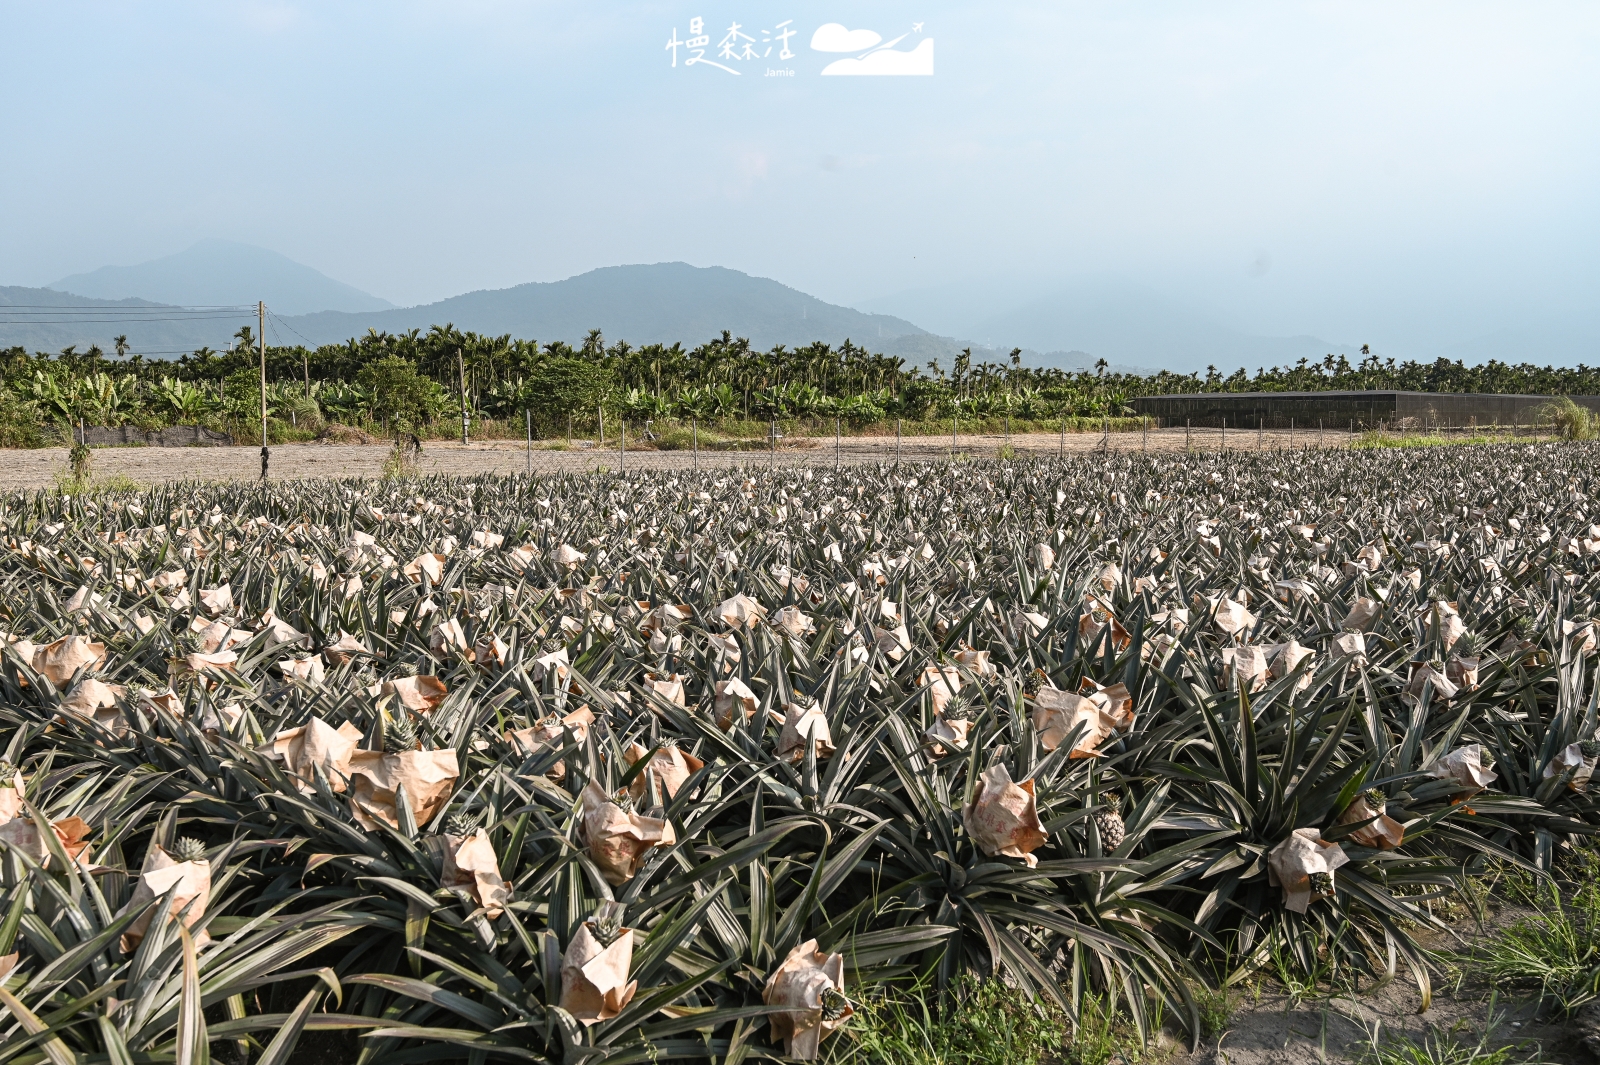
{"type": "Point", "coordinates": [39, 468]}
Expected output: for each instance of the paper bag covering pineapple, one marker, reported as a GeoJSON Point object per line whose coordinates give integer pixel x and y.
{"type": "Point", "coordinates": [1002, 818]}
{"type": "Point", "coordinates": [550, 732]}
{"type": "Point", "coordinates": [1384, 833]}
{"type": "Point", "coordinates": [617, 836]}
{"type": "Point", "coordinates": [314, 746]}
{"type": "Point", "coordinates": [809, 985]}
{"type": "Point", "coordinates": [1303, 865]}
{"type": "Point", "coordinates": [58, 661]}
{"type": "Point", "coordinates": [468, 863]}
{"type": "Point", "coordinates": [803, 722]}
{"type": "Point", "coordinates": [1579, 758]}
{"type": "Point", "coordinates": [594, 971]}
{"type": "Point", "coordinates": [187, 868]}
{"type": "Point", "coordinates": [733, 699]}
{"type": "Point", "coordinates": [669, 769]}
{"type": "Point", "coordinates": [1464, 765]}
{"type": "Point", "coordinates": [376, 777]}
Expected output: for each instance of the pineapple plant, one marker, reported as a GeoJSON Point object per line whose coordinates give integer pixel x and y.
{"type": "Point", "coordinates": [325, 559]}
{"type": "Point", "coordinates": [188, 849]}
{"type": "Point", "coordinates": [399, 735]}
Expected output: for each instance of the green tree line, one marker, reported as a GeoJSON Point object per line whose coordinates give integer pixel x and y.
{"type": "Point", "coordinates": [413, 381]}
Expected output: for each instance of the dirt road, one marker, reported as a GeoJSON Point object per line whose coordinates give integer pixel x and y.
{"type": "Point", "coordinates": [39, 468]}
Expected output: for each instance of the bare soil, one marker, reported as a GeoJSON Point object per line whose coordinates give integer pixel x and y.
{"type": "Point", "coordinates": [1268, 1027]}
{"type": "Point", "coordinates": [39, 468]}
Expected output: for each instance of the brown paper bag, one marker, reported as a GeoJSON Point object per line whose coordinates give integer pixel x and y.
{"type": "Point", "coordinates": [550, 732]}
{"type": "Point", "coordinates": [734, 698]}
{"type": "Point", "coordinates": [619, 839]}
{"type": "Point", "coordinates": [420, 693]}
{"type": "Point", "coordinates": [1464, 765]}
{"type": "Point", "coordinates": [470, 865]}
{"type": "Point", "coordinates": [11, 793]}
{"type": "Point", "coordinates": [976, 661]}
{"type": "Point", "coordinates": [943, 684]}
{"type": "Point", "coordinates": [594, 975]}
{"type": "Point", "coordinates": [741, 612]}
{"type": "Point", "coordinates": [809, 985]}
{"type": "Point", "coordinates": [429, 778]}
{"type": "Point", "coordinates": [1303, 865]}
{"type": "Point", "coordinates": [316, 745]}
{"type": "Point", "coordinates": [793, 622]}
{"type": "Point", "coordinates": [97, 700]}
{"type": "Point", "coordinates": [1231, 617]}
{"type": "Point", "coordinates": [1057, 713]}
{"type": "Point", "coordinates": [669, 769]}
{"type": "Point", "coordinates": [1385, 833]}
{"type": "Point", "coordinates": [429, 565]}
{"type": "Point", "coordinates": [58, 661]}
{"type": "Point", "coordinates": [947, 734]}
{"type": "Point", "coordinates": [71, 832]}
{"type": "Point", "coordinates": [1245, 667]}
{"type": "Point", "coordinates": [799, 723]}
{"type": "Point", "coordinates": [161, 871]}
{"type": "Point", "coordinates": [345, 649]}
{"type": "Point", "coordinates": [218, 600]}
{"type": "Point", "coordinates": [1002, 818]}
{"type": "Point", "coordinates": [1422, 673]}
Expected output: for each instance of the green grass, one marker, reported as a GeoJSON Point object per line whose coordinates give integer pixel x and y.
{"type": "Point", "coordinates": [984, 1022]}
{"type": "Point", "coordinates": [1557, 949]}
{"type": "Point", "coordinates": [1377, 439]}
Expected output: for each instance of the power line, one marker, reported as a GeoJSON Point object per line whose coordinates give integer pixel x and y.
{"type": "Point", "coordinates": [152, 309]}
{"type": "Point", "coordinates": [118, 321]}
{"type": "Point", "coordinates": [279, 320]}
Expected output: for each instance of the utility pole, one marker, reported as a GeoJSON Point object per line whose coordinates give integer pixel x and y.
{"type": "Point", "coordinates": [261, 326]}
{"type": "Point", "coordinates": [461, 388]}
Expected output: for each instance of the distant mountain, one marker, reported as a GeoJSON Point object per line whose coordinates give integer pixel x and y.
{"type": "Point", "coordinates": [663, 303]}
{"type": "Point", "coordinates": [224, 272]}
{"type": "Point", "coordinates": [42, 319]}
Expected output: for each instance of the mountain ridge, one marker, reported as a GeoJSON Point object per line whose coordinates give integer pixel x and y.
{"type": "Point", "coordinates": [223, 272]}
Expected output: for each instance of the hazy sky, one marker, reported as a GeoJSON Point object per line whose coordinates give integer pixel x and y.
{"type": "Point", "coordinates": [1339, 168]}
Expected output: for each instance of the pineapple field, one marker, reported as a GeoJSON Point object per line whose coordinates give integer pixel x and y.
{"type": "Point", "coordinates": [684, 765]}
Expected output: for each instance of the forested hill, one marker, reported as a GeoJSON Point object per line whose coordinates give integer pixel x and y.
{"type": "Point", "coordinates": [663, 303]}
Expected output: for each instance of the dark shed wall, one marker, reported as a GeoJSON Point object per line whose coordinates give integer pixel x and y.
{"type": "Point", "coordinates": [1247, 410]}
{"type": "Point", "coordinates": [1342, 410]}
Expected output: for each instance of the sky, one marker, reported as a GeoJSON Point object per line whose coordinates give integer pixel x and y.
{"type": "Point", "coordinates": [1419, 172]}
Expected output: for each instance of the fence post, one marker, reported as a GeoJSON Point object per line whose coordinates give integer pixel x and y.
{"type": "Point", "coordinates": [694, 428]}
{"type": "Point", "coordinates": [528, 416]}
{"type": "Point", "coordinates": [1061, 449]}
{"type": "Point", "coordinates": [622, 443]}
{"type": "Point", "coordinates": [836, 443]}
{"type": "Point", "coordinates": [1224, 433]}
{"type": "Point", "coordinates": [1187, 427]}
{"type": "Point", "coordinates": [897, 441]}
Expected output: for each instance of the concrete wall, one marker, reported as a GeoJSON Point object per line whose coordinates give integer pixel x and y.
{"type": "Point", "coordinates": [172, 436]}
